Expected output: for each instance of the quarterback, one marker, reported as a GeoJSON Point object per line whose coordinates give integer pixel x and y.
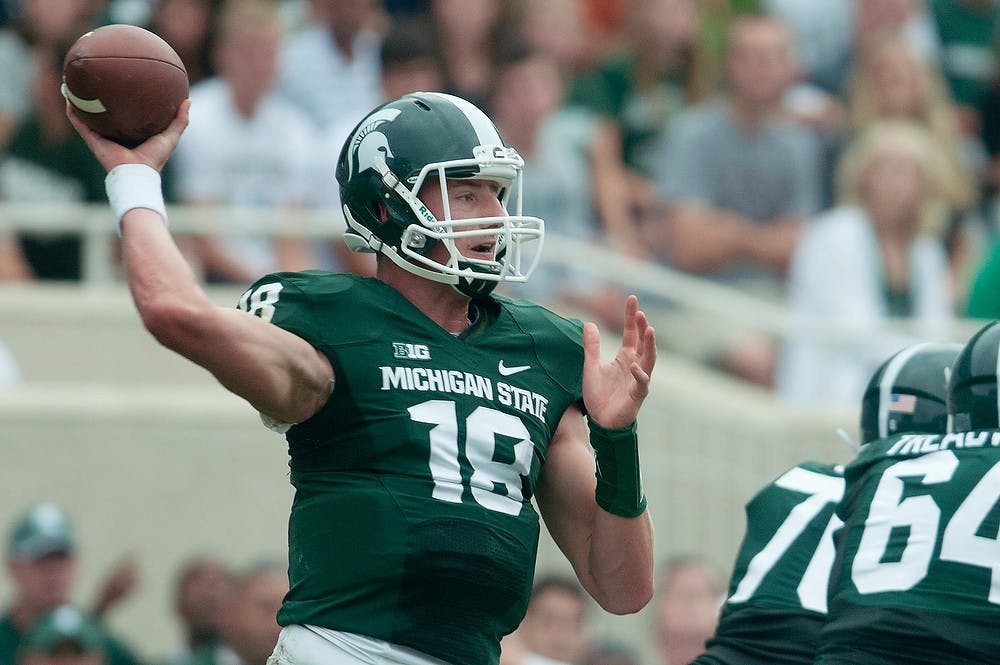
{"type": "Point", "coordinates": [423, 413]}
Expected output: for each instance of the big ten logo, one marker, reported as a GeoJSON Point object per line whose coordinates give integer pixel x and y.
{"type": "Point", "coordinates": [410, 351]}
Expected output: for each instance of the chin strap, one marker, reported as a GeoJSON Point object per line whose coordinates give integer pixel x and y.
{"type": "Point", "coordinates": [474, 288]}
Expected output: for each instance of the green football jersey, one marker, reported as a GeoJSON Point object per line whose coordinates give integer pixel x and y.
{"type": "Point", "coordinates": [777, 594]}
{"type": "Point", "coordinates": [917, 570]}
{"type": "Point", "coordinates": [412, 519]}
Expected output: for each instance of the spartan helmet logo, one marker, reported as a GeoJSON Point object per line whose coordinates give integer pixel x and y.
{"type": "Point", "coordinates": [368, 142]}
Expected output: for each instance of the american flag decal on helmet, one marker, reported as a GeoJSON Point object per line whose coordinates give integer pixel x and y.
{"type": "Point", "coordinates": [902, 403]}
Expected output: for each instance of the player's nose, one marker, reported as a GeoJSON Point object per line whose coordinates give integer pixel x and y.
{"type": "Point", "coordinates": [492, 207]}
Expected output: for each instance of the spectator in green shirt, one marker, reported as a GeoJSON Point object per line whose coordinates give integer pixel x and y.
{"type": "Point", "coordinates": [42, 565]}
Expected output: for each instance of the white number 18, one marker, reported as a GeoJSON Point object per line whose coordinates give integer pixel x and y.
{"type": "Point", "coordinates": [488, 472]}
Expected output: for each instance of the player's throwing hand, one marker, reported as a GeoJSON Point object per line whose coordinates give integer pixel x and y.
{"type": "Point", "coordinates": [153, 152]}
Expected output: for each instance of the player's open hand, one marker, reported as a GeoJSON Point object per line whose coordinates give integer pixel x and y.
{"type": "Point", "coordinates": [153, 152]}
{"type": "Point", "coordinates": [614, 391]}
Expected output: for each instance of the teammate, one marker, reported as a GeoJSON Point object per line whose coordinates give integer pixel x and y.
{"type": "Point", "coordinates": [778, 593]}
{"type": "Point", "coordinates": [917, 574]}
{"type": "Point", "coordinates": [422, 413]}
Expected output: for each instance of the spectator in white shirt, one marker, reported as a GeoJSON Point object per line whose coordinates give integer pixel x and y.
{"type": "Point", "coordinates": [330, 67]}
{"type": "Point", "coordinates": [245, 146]}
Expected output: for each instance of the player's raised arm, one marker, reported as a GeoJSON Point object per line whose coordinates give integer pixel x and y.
{"type": "Point", "coordinates": [597, 513]}
{"type": "Point", "coordinates": [279, 373]}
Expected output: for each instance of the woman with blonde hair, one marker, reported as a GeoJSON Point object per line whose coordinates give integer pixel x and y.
{"type": "Point", "coordinates": [878, 255]}
{"type": "Point", "coordinates": [892, 82]}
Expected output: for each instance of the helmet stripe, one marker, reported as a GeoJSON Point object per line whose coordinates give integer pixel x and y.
{"type": "Point", "coordinates": [485, 130]}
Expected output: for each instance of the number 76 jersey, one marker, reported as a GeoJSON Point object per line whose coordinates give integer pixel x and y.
{"type": "Point", "coordinates": [777, 594]}
{"type": "Point", "coordinates": [412, 519]}
{"type": "Point", "coordinates": [917, 573]}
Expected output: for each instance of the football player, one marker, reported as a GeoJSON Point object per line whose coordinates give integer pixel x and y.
{"type": "Point", "coordinates": [777, 600]}
{"type": "Point", "coordinates": [916, 579]}
{"type": "Point", "coordinates": [422, 413]}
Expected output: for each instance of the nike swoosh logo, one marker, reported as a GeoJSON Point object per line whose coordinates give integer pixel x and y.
{"type": "Point", "coordinates": [507, 371]}
{"type": "Point", "coordinates": [85, 105]}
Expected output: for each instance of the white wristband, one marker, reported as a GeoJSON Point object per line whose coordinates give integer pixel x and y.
{"type": "Point", "coordinates": [134, 186]}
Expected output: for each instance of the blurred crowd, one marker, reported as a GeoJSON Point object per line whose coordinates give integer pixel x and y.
{"type": "Point", "coordinates": [225, 614]}
{"type": "Point", "coordinates": [841, 158]}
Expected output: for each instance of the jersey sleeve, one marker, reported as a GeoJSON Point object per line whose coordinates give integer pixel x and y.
{"type": "Point", "coordinates": [280, 298]}
{"type": "Point", "coordinates": [559, 345]}
{"type": "Point", "coordinates": [284, 300]}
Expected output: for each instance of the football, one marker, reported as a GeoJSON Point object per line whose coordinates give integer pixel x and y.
{"type": "Point", "coordinates": [125, 82]}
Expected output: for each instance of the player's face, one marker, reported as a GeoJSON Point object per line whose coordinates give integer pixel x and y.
{"type": "Point", "coordinates": [466, 199]}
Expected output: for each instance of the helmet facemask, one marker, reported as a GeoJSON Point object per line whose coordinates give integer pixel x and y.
{"type": "Point", "coordinates": [510, 235]}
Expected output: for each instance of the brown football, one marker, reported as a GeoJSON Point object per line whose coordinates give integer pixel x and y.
{"type": "Point", "coordinates": [125, 82]}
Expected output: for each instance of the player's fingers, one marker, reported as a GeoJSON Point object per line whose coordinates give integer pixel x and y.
{"type": "Point", "coordinates": [641, 324]}
{"type": "Point", "coordinates": [108, 153]}
{"type": "Point", "coordinates": [180, 121]}
{"type": "Point", "coordinates": [82, 129]}
{"type": "Point", "coordinates": [647, 357]}
{"type": "Point", "coordinates": [156, 150]}
{"type": "Point", "coordinates": [172, 134]}
{"type": "Point", "coordinates": [591, 344]}
{"type": "Point", "coordinates": [641, 387]}
{"type": "Point", "coordinates": [629, 332]}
